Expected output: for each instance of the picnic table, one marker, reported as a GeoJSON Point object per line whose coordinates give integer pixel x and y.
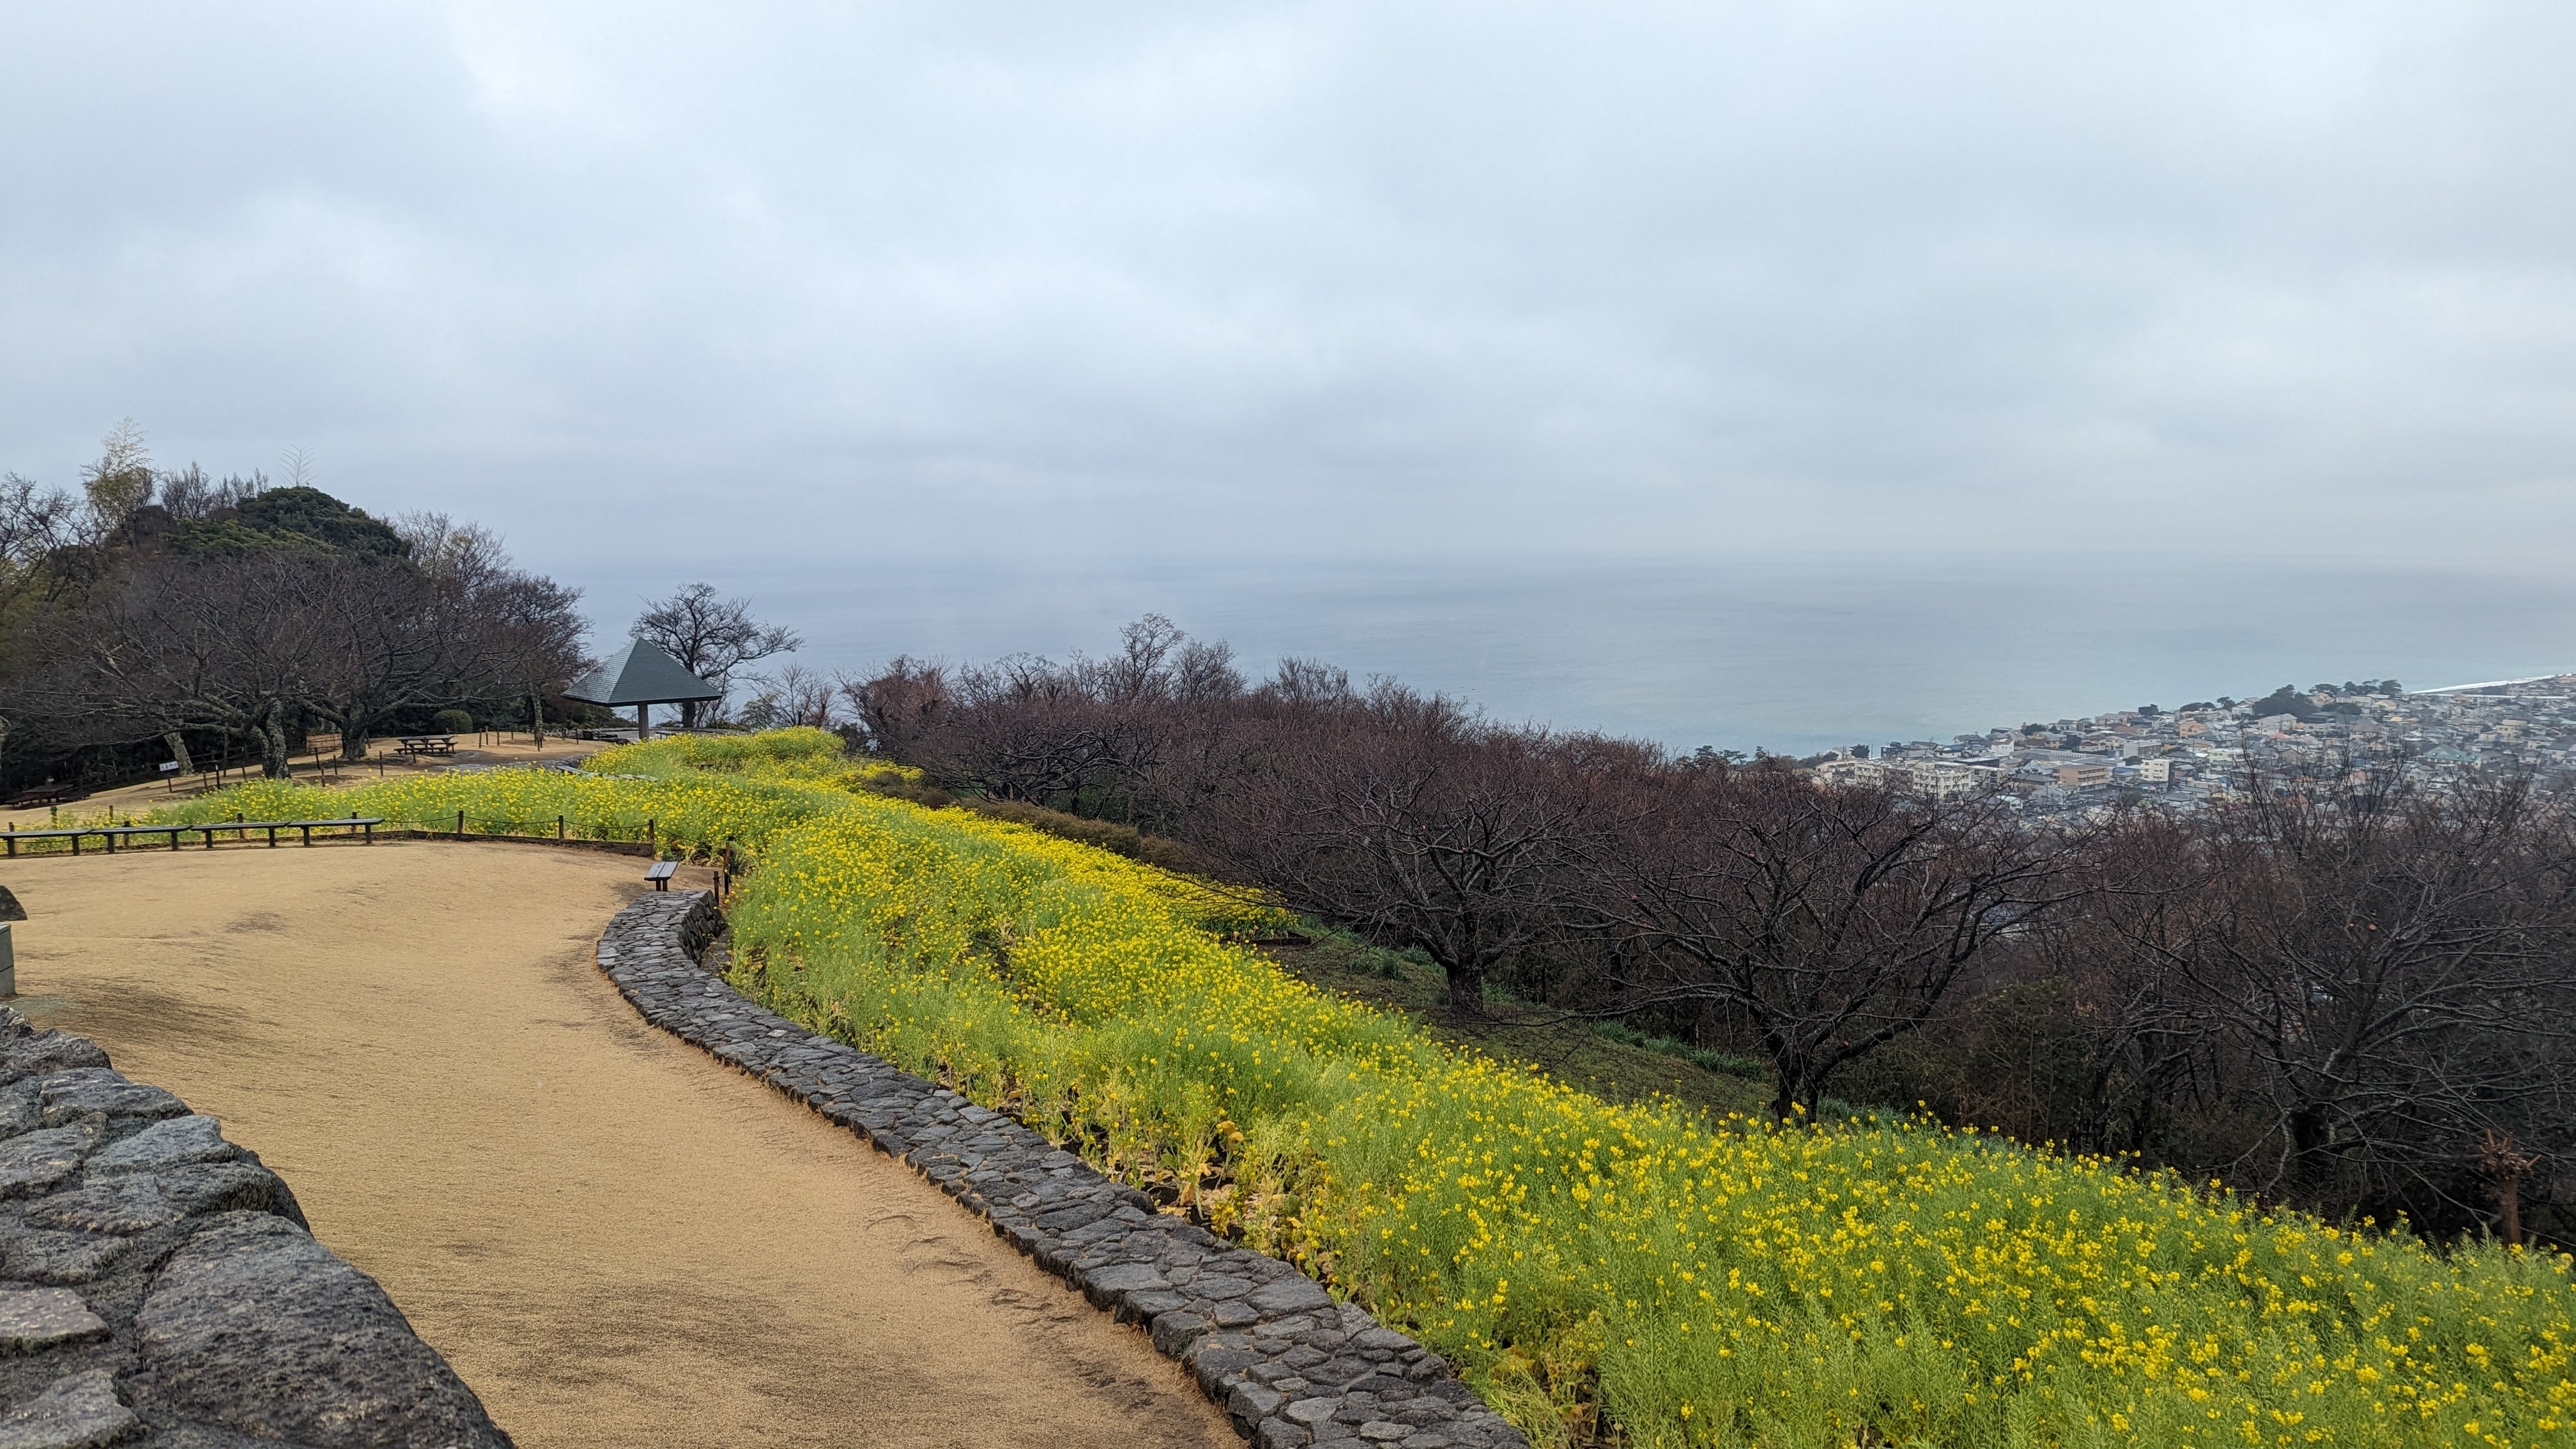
{"type": "Point", "coordinates": [48, 795]}
{"type": "Point", "coordinates": [417, 745]}
{"type": "Point", "coordinates": [365, 825]}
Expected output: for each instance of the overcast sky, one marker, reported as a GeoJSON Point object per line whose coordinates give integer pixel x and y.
{"type": "Point", "coordinates": [703, 290]}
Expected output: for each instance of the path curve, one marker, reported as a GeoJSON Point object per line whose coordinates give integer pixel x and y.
{"type": "Point", "coordinates": [616, 1240]}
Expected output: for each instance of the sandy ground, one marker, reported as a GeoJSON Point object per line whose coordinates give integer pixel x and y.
{"type": "Point", "coordinates": [615, 1239]}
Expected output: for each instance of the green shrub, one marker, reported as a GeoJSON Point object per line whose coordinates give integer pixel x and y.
{"type": "Point", "coordinates": [1126, 840]}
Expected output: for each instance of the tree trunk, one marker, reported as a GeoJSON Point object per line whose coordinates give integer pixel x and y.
{"type": "Point", "coordinates": [178, 744]}
{"type": "Point", "coordinates": [1788, 1098]}
{"type": "Point", "coordinates": [272, 740]}
{"type": "Point", "coordinates": [1800, 1087]}
{"type": "Point", "coordinates": [537, 716]}
{"type": "Point", "coordinates": [2506, 1164]}
{"type": "Point", "coordinates": [353, 745]}
{"type": "Point", "coordinates": [1466, 988]}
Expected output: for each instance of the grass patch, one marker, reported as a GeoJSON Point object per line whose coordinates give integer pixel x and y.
{"type": "Point", "coordinates": [1613, 1061]}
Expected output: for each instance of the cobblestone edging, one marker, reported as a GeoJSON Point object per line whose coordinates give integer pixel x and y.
{"type": "Point", "coordinates": [1289, 1364]}
{"type": "Point", "coordinates": [158, 1286]}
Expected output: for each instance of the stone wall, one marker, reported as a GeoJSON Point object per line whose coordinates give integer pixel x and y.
{"type": "Point", "coordinates": [158, 1285]}
{"type": "Point", "coordinates": [1290, 1365]}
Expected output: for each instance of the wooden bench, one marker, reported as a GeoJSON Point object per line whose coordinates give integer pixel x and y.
{"type": "Point", "coordinates": [47, 795]}
{"type": "Point", "coordinates": [414, 746]}
{"type": "Point", "coordinates": [661, 873]}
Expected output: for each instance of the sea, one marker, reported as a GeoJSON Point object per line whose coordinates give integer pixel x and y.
{"type": "Point", "coordinates": [1793, 653]}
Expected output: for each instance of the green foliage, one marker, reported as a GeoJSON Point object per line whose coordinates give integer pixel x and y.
{"type": "Point", "coordinates": [292, 518]}
{"type": "Point", "coordinates": [452, 722]}
{"type": "Point", "coordinates": [1110, 836]}
{"type": "Point", "coordinates": [1701, 1057]}
{"type": "Point", "coordinates": [2286, 700]}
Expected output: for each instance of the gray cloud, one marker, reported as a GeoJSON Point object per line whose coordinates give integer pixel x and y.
{"type": "Point", "coordinates": [715, 289]}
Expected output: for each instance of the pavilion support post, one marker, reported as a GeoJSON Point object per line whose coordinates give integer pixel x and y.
{"type": "Point", "coordinates": [643, 722]}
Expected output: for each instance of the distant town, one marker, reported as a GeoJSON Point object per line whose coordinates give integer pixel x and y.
{"type": "Point", "coordinates": [2188, 756]}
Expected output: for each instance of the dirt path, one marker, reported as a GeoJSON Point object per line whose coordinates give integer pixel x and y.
{"type": "Point", "coordinates": [615, 1240]}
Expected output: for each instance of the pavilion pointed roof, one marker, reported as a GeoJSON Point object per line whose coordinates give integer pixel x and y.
{"type": "Point", "coordinates": [641, 673]}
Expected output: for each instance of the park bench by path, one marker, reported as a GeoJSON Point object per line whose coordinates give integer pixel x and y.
{"type": "Point", "coordinates": [414, 746]}
{"type": "Point", "coordinates": [364, 826]}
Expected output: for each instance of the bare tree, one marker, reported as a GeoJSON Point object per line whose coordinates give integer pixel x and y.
{"type": "Point", "coordinates": [251, 644]}
{"type": "Point", "coordinates": [2390, 969]}
{"type": "Point", "coordinates": [34, 523]}
{"type": "Point", "coordinates": [902, 709]}
{"type": "Point", "coordinates": [794, 695]}
{"type": "Point", "coordinates": [1412, 821]}
{"type": "Point", "coordinates": [226, 645]}
{"type": "Point", "coordinates": [2097, 1042]}
{"type": "Point", "coordinates": [1832, 920]}
{"type": "Point", "coordinates": [1127, 737]}
{"type": "Point", "coordinates": [711, 637]}
{"type": "Point", "coordinates": [452, 624]}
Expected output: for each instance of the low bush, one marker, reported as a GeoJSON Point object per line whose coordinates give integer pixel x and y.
{"type": "Point", "coordinates": [1115, 838]}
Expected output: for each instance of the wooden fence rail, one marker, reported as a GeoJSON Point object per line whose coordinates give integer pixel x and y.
{"type": "Point", "coordinates": [363, 826]}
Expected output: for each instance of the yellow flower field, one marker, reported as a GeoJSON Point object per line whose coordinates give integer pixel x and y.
{"type": "Point", "coordinates": [1726, 1283]}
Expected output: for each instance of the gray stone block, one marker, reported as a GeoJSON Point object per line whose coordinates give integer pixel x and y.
{"type": "Point", "coordinates": [1234, 1313]}
{"type": "Point", "coordinates": [123, 1205]}
{"type": "Point", "coordinates": [38, 1160]}
{"type": "Point", "coordinates": [39, 1318]}
{"type": "Point", "coordinates": [1311, 1412]}
{"type": "Point", "coordinates": [1250, 1402]}
{"type": "Point", "coordinates": [80, 1411]}
{"type": "Point", "coordinates": [173, 1143]}
{"type": "Point", "coordinates": [1104, 1286]}
{"type": "Point", "coordinates": [213, 1187]}
{"type": "Point", "coordinates": [68, 1096]}
{"type": "Point", "coordinates": [1175, 1332]}
{"type": "Point", "coordinates": [47, 1052]}
{"type": "Point", "coordinates": [1290, 1295]}
{"type": "Point", "coordinates": [255, 1326]}
{"type": "Point", "coordinates": [38, 1256]}
{"type": "Point", "coordinates": [1147, 1305]}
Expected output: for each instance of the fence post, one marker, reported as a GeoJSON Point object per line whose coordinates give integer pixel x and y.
{"type": "Point", "coordinates": [559, 827]}
{"type": "Point", "coordinates": [652, 840]}
{"type": "Point", "coordinates": [460, 825]}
